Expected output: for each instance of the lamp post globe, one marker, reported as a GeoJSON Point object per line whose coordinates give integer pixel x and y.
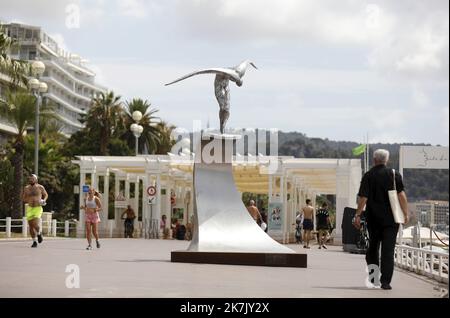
{"type": "Point", "coordinates": [43, 87]}
{"type": "Point", "coordinates": [137, 131]}
{"type": "Point", "coordinates": [134, 128]}
{"type": "Point", "coordinates": [33, 83]}
{"type": "Point", "coordinates": [38, 68]}
{"type": "Point", "coordinates": [137, 116]}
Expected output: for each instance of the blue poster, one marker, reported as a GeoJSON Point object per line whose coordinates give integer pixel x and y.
{"type": "Point", "coordinates": [85, 188]}
{"type": "Point", "coordinates": [275, 216]}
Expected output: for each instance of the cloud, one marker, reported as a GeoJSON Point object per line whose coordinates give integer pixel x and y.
{"type": "Point", "coordinates": [389, 137]}
{"type": "Point", "coordinates": [92, 12]}
{"type": "Point", "coordinates": [59, 38]}
{"type": "Point", "coordinates": [280, 98]}
{"type": "Point", "coordinates": [255, 20]}
{"type": "Point", "coordinates": [406, 38]}
{"type": "Point", "coordinates": [419, 98]}
{"type": "Point", "coordinates": [417, 48]}
{"type": "Point", "coordinates": [328, 68]}
{"type": "Point", "coordinates": [445, 126]}
{"type": "Point", "coordinates": [39, 8]}
{"type": "Point", "coordinates": [387, 119]}
{"type": "Point", "coordinates": [132, 8]}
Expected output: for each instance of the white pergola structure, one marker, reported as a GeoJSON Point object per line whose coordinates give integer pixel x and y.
{"type": "Point", "coordinates": [290, 184]}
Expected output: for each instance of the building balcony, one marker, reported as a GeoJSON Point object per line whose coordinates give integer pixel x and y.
{"type": "Point", "coordinates": [68, 89]}
{"type": "Point", "coordinates": [62, 67]}
{"type": "Point", "coordinates": [65, 103]}
{"type": "Point", "coordinates": [6, 127]}
{"type": "Point", "coordinates": [69, 121]}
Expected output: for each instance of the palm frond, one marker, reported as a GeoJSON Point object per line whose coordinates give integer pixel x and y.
{"type": "Point", "coordinates": [17, 70]}
{"type": "Point", "coordinates": [150, 136]}
{"type": "Point", "coordinates": [19, 109]}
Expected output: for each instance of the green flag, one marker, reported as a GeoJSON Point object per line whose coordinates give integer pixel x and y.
{"type": "Point", "coordinates": [359, 150]}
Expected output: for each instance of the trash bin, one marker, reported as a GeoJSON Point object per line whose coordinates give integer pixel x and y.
{"type": "Point", "coordinates": [349, 233]}
{"type": "Point", "coordinates": [181, 232]}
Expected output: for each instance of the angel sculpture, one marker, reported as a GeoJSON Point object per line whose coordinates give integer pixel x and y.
{"type": "Point", "coordinates": [221, 86]}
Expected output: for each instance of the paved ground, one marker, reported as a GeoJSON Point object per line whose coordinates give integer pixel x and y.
{"type": "Point", "coordinates": [142, 268]}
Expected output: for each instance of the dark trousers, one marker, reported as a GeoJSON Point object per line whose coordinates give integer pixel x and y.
{"type": "Point", "coordinates": [384, 237]}
{"type": "Point", "coordinates": [129, 228]}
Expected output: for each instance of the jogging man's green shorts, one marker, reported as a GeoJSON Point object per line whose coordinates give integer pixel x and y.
{"type": "Point", "coordinates": [34, 212]}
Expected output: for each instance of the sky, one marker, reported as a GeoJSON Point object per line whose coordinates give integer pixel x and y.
{"type": "Point", "coordinates": [326, 68]}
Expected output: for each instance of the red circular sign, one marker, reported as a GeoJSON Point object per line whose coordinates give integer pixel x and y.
{"type": "Point", "coordinates": [151, 191]}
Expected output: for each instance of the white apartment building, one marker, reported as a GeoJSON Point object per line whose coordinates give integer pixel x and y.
{"type": "Point", "coordinates": [71, 85]}
{"type": "Point", "coordinates": [431, 212]}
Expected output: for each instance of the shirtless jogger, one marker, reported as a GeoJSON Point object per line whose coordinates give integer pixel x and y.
{"type": "Point", "coordinates": [34, 196]}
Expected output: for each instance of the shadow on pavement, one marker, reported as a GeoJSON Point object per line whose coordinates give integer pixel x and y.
{"type": "Point", "coordinates": [346, 287]}
{"type": "Point", "coordinates": [144, 261]}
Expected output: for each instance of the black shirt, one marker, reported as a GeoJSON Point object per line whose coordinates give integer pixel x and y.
{"type": "Point", "coordinates": [375, 185]}
{"type": "Point", "coordinates": [322, 219]}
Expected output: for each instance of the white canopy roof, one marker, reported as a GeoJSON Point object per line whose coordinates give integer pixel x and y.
{"type": "Point", "coordinates": [250, 173]}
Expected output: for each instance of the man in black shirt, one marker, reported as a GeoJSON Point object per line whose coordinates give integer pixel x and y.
{"type": "Point", "coordinates": [373, 193]}
{"type": "Point", "coordinates": [323, 224]}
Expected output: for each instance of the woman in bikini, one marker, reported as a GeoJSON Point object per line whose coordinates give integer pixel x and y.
{"type": "Point", "coordinates": [92, 205]}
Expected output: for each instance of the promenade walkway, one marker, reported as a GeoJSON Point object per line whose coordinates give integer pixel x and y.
{"type": "Point", "coordinates": [142, 268]}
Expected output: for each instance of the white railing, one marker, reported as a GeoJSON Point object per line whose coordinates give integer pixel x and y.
{"type": "Point", "coordinates": [49, 228]}
{"type": "Point", "coordinates": [423, 261]}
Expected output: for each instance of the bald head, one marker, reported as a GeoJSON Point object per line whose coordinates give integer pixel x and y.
{"type": "Point", "coordinates": [32, 179]}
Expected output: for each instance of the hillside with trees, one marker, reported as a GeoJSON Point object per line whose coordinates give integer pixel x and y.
{"type": "Point", "coordinates": [420, 184]}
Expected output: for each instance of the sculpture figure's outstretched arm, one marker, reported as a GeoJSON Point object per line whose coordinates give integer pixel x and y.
{"type": "Point", "coordinates": [231, 74]}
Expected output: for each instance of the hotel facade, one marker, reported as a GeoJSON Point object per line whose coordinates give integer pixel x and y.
{"type": "Point", "coordinates": [71, 85]}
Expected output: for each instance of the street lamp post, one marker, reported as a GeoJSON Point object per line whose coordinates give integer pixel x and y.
{"type": "Point", "coordinates": [137, 129]}
{"type": "Point", "coordinates": [37, 88]}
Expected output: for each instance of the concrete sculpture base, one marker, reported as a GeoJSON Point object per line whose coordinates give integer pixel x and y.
{"type": "Point", "coordinates": [224, 232]}
{"type": "Point", "coordinates": [252, 259]}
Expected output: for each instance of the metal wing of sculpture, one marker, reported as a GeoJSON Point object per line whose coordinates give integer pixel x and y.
{"type": "Point", "coordinates": [221, 89]}
{"type": "Point", "coordinates": [229, 73]}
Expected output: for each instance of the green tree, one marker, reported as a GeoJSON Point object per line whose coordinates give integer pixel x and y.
{"type": "Point", "coordinates": [104, 119]}
{"type": "Point", "coordinates": [166, 141]}
{"type": "Point", "coordinates": [19, 110]}
{"type": "Point", "coordinates": [420, 183]}
{"type": "Point", "coordinates": [261, 200]}
{"type": "Point", "coordinates": [50, 129]}
{"type": "Point", "coordinates": [56, 173]}
{"type": "Point", "coordinates": [82, 143]}
{"type": "Point", "coordinates": [85, 143]}
{"type": "Point", "coordinates": [17, 70]}
{"type": "Point", "coordinates": [107, 130]}
{"type": "Point", "coordinates": [149, 138]}
{"type": "Point", "coordinates": [6, 186]}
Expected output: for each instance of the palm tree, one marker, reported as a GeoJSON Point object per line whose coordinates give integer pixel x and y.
{"type": "Point", "coordinates": [150, 136]}
{"type": "Point", "coordinates": [19, 109]}
{"type": "Point", "coordinates": [51, 130]}
{"type": "Point", "coordinates": [17, 70]}
{"type": "Point", "coordinates": [104, 117]}
{"type": "Point", "coordinates": [166, 141]}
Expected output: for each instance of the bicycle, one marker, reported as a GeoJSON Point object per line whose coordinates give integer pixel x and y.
{"type": "Point", "coordinates": [362, 241]}
{"type": "Point", "coordinates": [129, 228]}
